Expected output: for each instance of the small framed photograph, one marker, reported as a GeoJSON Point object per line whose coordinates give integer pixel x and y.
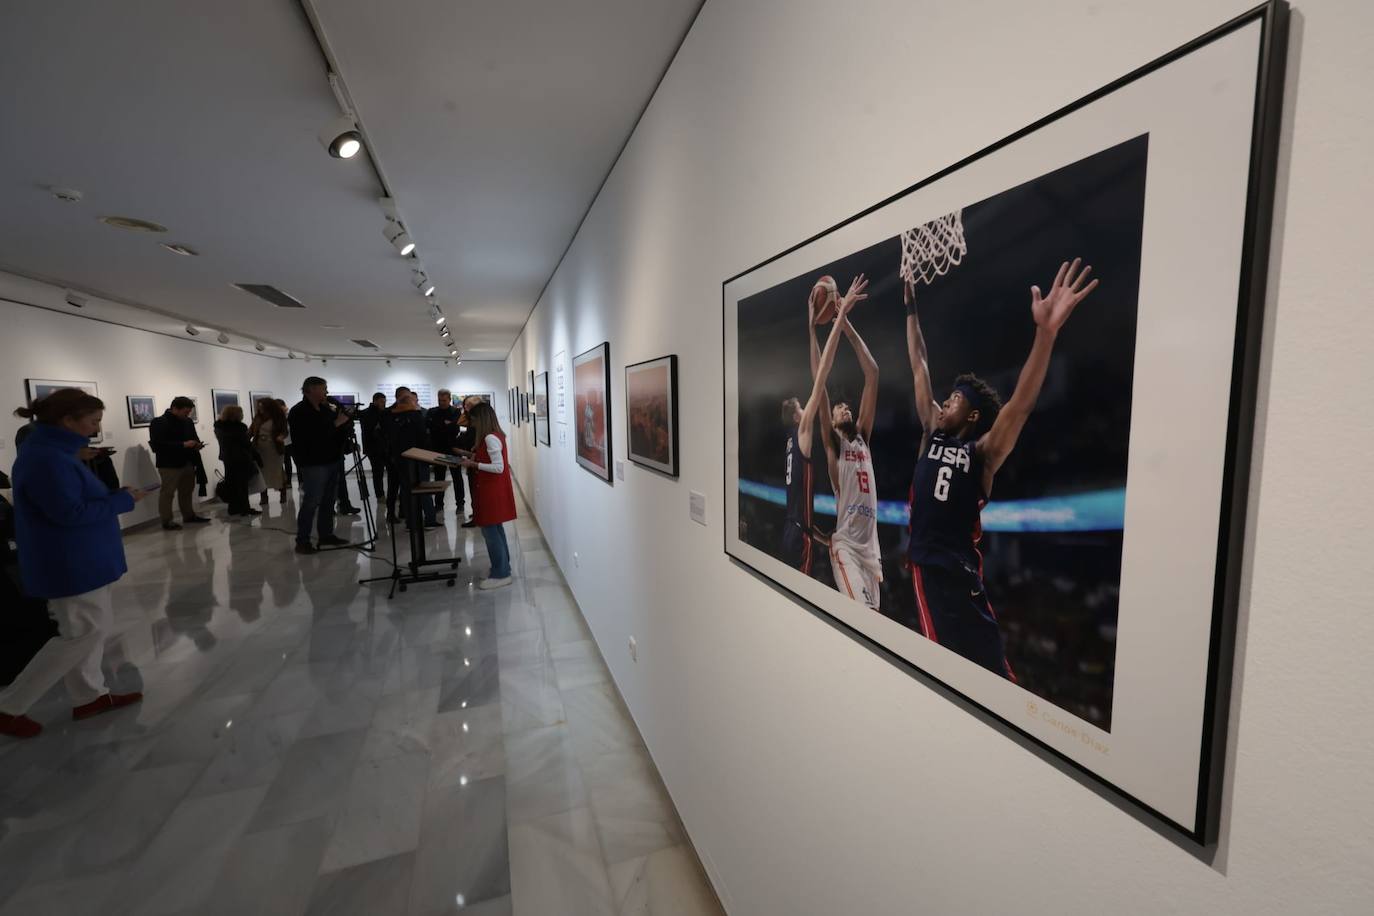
{"type": "Point", "coordinates": [255, 396]}
{"type": "Point", "coordinates": [141, 410]}
{"type": "Point", "coordinates": [541, 407]}
{"type": "Point", "coordinates": [651, 413]}
{"type": "Point", "coordinates": [222, 398]}
{"type": "Point", "coordinates": [38, 388]}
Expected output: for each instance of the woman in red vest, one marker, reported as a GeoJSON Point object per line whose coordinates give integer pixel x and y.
{"type": "Point", "coordinates": [494, 499]}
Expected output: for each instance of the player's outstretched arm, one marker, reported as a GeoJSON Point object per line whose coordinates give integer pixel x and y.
{"type": "Point", "coordinates": [805, 433]}
{"type": "Point", "coordinates": [1050, 312]}
{"type": "Point", "coordinates": [926, 406]}
{"type": "Point", "coordinates": [868, 403]}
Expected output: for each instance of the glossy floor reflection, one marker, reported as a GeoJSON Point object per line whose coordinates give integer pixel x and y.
{"type": "Point", "coordinates": [307, 746]}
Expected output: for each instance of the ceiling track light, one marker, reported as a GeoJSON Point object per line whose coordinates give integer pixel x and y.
{"type": "Point", "coordinates": [398, 237]}
{"type": "Point", "coordinates": [290, 355]}
{"type": "Point", "coordinates": [192, 330]}
{"type": "Point", "coordinates": [223, 337]}
{"type": "Point", "coordinates": [259, 347]}
{"type": "Point", "coordinates": [341, 137]}
{"type": "Point", "coordinates": [421, 281]}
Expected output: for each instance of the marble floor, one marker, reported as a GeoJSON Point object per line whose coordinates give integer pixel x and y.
{"type": "Point", "coordinates": [308, 746]}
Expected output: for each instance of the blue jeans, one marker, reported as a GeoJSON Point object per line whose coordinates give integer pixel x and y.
{"type": "Point", "coordinates": [318, 485]}
{"type": "Point", "coordinates": [497, 550]}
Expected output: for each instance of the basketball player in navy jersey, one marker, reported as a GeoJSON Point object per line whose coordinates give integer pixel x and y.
{"type": "Point", "coordinates": [964, 442]}
{"type": "Point", "coordinates": [797, 539]}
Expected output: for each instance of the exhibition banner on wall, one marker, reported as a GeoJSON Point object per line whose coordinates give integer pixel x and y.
{"type": "Point", "coordinates": [998, 425]}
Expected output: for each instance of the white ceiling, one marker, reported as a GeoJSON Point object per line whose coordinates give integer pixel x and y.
{"type": "Point", "coordinates": [494, 124]}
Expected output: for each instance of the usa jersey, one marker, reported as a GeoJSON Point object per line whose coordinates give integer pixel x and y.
{"type": "Point", "coordinates": [856, 503]}
{"type": "Point", "coordinates": [799, 482]}
{"type": "Point", "coordinates": [946, 501]}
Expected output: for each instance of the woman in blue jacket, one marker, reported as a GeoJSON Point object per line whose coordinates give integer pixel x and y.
{"type": "Point", "coordinates": [70, 552]}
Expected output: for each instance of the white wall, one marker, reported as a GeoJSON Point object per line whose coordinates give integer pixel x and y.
{"type": "Point", "coordinates": [813, 776]}
{"type": "Point", "coordinates": [37, 343]}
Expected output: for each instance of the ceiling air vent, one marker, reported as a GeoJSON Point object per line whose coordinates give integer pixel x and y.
{"type": "Point", "coordinates": [364, 343]}
{"type": "Point", "coordinates": [271, 294]}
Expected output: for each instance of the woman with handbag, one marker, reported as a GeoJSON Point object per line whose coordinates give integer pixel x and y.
{"type": "Point", "coordinates": [493, 499]}
{"type": "Point", "coordinates": [70, 552]}
{"type": "Point", "coordinates": [268, 433]}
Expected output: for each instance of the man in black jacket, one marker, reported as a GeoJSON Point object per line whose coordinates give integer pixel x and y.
{"type": "Point", "coordinates": [315, 442]}
{"type": "Point", "coordinates": [406, 429]}
{"type": "Point", "coordinates": [175, 445]}
{"type": "Point", "coordinates": [443, 424]}
{"type": "Point", "coordinates": [374, 445]}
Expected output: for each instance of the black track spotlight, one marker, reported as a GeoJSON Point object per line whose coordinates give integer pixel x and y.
{"type": "Point", "coordinates": [192, 330]}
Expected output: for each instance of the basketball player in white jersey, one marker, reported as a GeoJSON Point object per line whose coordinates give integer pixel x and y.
{"type": "Point", "coordinates": [854, 556]}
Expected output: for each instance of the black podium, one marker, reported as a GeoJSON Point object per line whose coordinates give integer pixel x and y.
{"type": "Point", "coordinates": [412, 570]}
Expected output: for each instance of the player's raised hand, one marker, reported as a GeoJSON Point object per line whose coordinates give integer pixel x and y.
{"type": "Point", "coordinates": [1070, 287]}
{"type": "Point", "coordinates": [855, 295]}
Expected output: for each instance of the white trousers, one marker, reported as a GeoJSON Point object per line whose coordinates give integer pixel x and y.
{"type": "Point", "coordinates": [73, 656]}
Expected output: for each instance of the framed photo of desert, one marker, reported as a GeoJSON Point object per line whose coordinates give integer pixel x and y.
{"type": "Point", "coordinates": [221, 398]}
{"type": "Point", "coordinates": [141, 410]}
{"type": "Point", "coordinates": [592, 409]}
{"type": "Point", "coordinates": [952, 424]}
{"type": "Point", "coordinates": [541, 407]}
{"type": "Point", "coordinates": [651, 413]}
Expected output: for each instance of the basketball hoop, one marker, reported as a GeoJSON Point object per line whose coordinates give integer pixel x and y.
{"type": "Point", "coordinates": [931, 249]}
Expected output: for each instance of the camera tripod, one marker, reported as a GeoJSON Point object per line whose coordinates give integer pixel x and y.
{"type": "Point", "coordinates": [369, 520]}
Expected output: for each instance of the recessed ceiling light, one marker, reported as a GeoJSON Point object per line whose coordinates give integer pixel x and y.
{"type": "Point", "coordinates": [181, 249]}
{"type": "Point", "coordinates": [332, 327]}
{"type": "Point", "coordinates": [66, 195]}
{"type": "Point", "coordinates": [132, 224]}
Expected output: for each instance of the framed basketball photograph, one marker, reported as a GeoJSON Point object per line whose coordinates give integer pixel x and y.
{"type": "Point", "coordinates": [141, 410]}
{"type": "Point", "coordinates": [221, 398]}
{"type": "Point", "coordinates": [651, 414]}
{"type": "Point", "coordinates": [997, 426]}
{"type": "Point", "coordinates": [36, 388]}
{"type": "Point", "coordinates": [541, 407]}
{"type": "Point", "coordinates": [592, 409]}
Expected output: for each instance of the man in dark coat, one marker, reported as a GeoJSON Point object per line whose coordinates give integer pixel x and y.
{"type": "Point", "coordinates": [175, 446]}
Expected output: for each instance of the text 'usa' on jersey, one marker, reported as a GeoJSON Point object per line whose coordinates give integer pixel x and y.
{"type": "Point", "coordinates": [799, 485]}
{"type": "Point", "coordinates": [946, 503]}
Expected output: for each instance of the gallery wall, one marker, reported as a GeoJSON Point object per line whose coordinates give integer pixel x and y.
{"type": "Point", "coordinates": [813, 776]}
{"type": "Point", "coordinates": [38, 343]}
{"type": "Point", "coordinates": [426, 377]}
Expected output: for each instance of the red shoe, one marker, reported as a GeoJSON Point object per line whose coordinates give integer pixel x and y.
{"type": "Point", "coordinates": [104, 704]}
{"type": "Point", "coordinates": [18, 726]}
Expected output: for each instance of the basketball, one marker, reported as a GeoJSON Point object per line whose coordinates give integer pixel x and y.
{"type": "Point", "coordinates": [825, 300]}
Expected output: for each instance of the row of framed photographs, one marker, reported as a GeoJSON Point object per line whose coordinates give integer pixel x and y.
{"type": "Point", "coordinates": [142, 408]}
{"type": "Point", "coordinates": [650, 409]}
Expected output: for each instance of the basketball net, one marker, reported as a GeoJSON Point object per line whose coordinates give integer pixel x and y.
{"type": "Point", "coordinates": [932, 248]}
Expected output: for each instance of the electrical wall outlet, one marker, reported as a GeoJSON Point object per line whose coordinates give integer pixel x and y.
{"type": "Point", "coordinates": [634, 650]}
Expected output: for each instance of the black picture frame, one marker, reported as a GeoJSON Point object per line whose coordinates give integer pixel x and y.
{"type": "Point", "coordinates": [139, 419]}
{"type": "Point", "coordinates": [641, 370]}
{"type": "Point", "coordinates": [586, 429]}
{"type": "Point", "coordinates": [541, 410]}
{"type": "Point", "coordinates": [221, 398]}
{"type": "Point", "coordinates": [1199, 823]}
{"type": "Point", "coordinates": [36, 388]}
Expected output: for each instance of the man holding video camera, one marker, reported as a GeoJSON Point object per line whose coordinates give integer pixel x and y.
{"type": "Point", "coordinates": [315, 440]}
